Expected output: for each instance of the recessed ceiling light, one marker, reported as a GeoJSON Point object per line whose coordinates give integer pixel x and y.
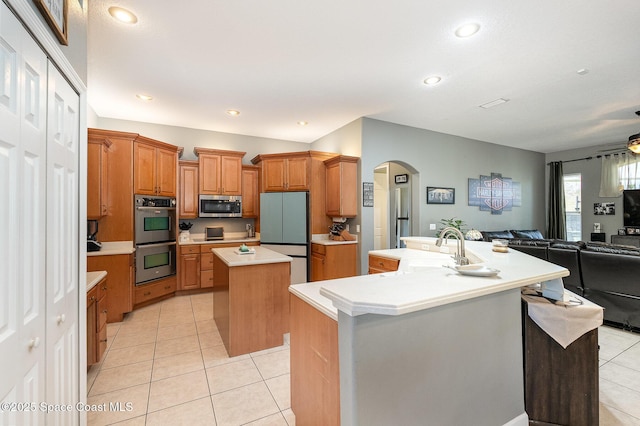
{"type": "Point", "coordinates": [123, 15]}
{"type": "Point", "coordinates": [583, 71]}
{"type": "Point", "coordinates": [433, 80]}
{"type": "Point", "coordinates": [303, 123]}
{"type": "Point", "coordinates": [144, 97]}
{"type": "Point", "coordinates": [497, 102]}
{"type": "Point", "coordinates": [233, 112]}
{"type": "Point", "coordinates": [467, 30]}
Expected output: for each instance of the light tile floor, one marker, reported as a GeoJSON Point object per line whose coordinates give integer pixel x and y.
{"type": "Point", "coordinates": [168, 364]}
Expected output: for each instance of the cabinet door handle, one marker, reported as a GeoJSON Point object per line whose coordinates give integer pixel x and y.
{"type": "Point", "coordinates": [92, 298]}
{"type": "Point", "coordinates": [34, 343]}
{"type": "Point", "coordinates": [167, 287]}
{"type": "Point", "coordinates": [103, 341]}
{"type": "Point", "coordinates": [104, 288]}
{"type": "Point", "coordinates": [147, 293]}
{"type": "Point", "coordinates": [104, 312]}
{"type": "Point", "coordinates": [61, 319]}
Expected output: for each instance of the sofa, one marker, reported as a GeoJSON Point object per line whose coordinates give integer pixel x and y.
{"type": "Point", "coordinates": [606, 274]}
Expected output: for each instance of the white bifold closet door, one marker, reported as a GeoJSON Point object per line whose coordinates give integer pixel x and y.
{"type": "Point", "coordinates": [39, 133]}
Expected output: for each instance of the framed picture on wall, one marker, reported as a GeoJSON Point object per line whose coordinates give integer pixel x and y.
{"type": "Point", "coordinates": [402, 178]}
{"type": "Point", "coordinates": [55, 13]}
{"type": "Point", "coordinates": [438, 195]}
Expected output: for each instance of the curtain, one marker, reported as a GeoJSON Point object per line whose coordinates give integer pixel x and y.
{"type": "Point", "coordinates": [557, 226]}
{"type": "Point", "coordinates": [628, 170]}
{"type": "Point", "coordinates": [610, 184]}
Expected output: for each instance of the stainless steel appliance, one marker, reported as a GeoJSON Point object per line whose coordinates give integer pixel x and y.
{"type": "Point", "coordinates": [402, 208]}
{"type": "Point", "coordinates": [220, 206]}
{"type": "Point", "coordinates": [155, 237]}
{"type": "Point", "coordinates": [284, 228]}
{"type": "Point", "coordinates": [155, 261]}
{"type": "Point", "coordinates": [155, 219]}
{"type": "Point", "coordinates": [213, 233]}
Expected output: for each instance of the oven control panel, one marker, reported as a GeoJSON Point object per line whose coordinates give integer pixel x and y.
{"type": "Point", "coordinates": [142, 201]}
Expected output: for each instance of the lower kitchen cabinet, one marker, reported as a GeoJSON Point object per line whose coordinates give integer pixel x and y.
{"type": "Point", "coordinates": [189, 267]}
{"type": "Point", "coordinates": [97, 322]}
{"type": "Point", "coordinates": [315, 366]}
{"type": "Point", "coordinates": [120, 270]}
{"type": "Point", "coordinates": [333, 261]}
{"type": "Point", "coordinates": [379, 264]}
{"type": "Point", "coordinates": [155, 291]}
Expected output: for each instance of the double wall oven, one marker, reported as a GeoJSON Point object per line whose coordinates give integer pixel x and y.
{"type": "Point", "coordinates": [155, 237]}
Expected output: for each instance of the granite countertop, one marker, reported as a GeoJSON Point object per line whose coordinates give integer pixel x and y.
{"type": "Point", "coordinates": [229, 237]}
{"type": "Point", "coordinates": [114, 247]}
{"type": "Point", "coordinates": [94, 278]}
{"type": "Point", "coordinates": [324, 240]}
{"type": "Point", "coordinates": [422, 282]}
{"type": "Point", "coordinates": [261, 255]}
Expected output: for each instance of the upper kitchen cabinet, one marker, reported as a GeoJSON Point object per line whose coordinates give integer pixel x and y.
{"type": "Point", "coordinates": [342, 187]}
{"type": "Point", "coordinates": [220, 171]}
{"type": "Point", "coordinates": [250, 191]}
{"type": "Point", "coordinates": [298, 171]}
{"type": "Point", "coordinates": [284, 172]}
{"type": "Point", "coordinates": [97, 176]}
{"type": "Point", "coordinates": [154, 167]}
{"type": "Point", "coordinates": [188, 189]}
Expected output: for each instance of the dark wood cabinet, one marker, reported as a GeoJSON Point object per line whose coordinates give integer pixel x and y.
{"type": "Point", "coordinates": [561, 385]}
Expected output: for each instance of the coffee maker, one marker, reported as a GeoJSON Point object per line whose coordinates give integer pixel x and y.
{"type": "Point", "coordinates": [92, 230]}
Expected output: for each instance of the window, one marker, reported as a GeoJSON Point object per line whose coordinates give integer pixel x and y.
{"type": "Point", "coordinates": [629, 174]}
{"type": "Point", "coordinates": [572, 205]}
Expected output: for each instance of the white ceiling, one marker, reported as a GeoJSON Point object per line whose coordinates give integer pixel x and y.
{"type": "Point", "coordinates": [330, 62]}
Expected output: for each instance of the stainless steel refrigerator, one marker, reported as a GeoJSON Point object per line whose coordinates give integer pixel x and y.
{"type": "Point", "coordinates": [402, 209]}
{"type": "Point", "coordinates": [284, 228]}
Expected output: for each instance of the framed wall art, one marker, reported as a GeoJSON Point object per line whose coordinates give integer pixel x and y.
{"type": "Point", "coordinates": [437, 195]}
{"type": "Point", "coordinates": [55, 13]}
{"type": "Point", "coordinates": [404, 178]}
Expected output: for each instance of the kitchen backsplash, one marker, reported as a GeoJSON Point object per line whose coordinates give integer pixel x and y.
{"type": "Point", "coordinates": [230, 225]}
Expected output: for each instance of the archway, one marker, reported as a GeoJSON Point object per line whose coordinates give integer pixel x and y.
{"type": "Point", "coordinates": [396, 195]}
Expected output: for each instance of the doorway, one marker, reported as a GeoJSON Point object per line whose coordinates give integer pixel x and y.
{"type": "Point", "coordinates": [395, 205]}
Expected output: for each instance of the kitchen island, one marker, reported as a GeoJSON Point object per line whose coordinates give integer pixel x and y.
{"type": "Point", "coordinates": [250, 298]}
{"type": "Point", "coordinates": [425, 345]}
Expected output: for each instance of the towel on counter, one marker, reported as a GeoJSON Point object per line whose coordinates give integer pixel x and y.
{"type": "Point", "coordinates": [566, 320]}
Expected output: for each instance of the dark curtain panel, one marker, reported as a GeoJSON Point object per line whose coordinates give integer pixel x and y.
{"type": "Point", "coordinates": [557, 223]}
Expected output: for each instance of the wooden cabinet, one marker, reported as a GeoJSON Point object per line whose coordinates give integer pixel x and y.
{"type": "Point", "coordinates": [342, 181]}
{"type": "Point", "coordinates": [120, 270]}
{"type": "Point", "coordinates": [333, 261]}
{"type": "Point", "coordinates": [315, 366]}
{"type": "Point", "coordinates": [289, 173]}
{"type": "Point", "coordinates": [154, 167]}
{"type": "Point", "coordinates": [97, 322]}
{"type": "Point", "coordinates": [189, 267]}
{"type": "Point", "coordinates": [220, 172]}
{"type": "Point", "coordinates": [188, 190]}
{"type": "Point", "coordinates": [156, 291]}
{"type": "Point", "coordinates": [561, 386]}
{"type": "Point", "coordinates": [250, 192]}
{"type": "Point", "coordinates": [97, 176]}
{"type": "Point", "coordinates": [206, 261]}
{"type": "Point", "coordinates": [378, 264]}
{"type": "Point", "coordinates": [298, 171]}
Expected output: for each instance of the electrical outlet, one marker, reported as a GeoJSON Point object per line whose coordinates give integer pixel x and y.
{"type": "Point", "coordinates": [357, 228]}
{"type": "Point", "coordinates": [347, 227]}
{"type": "Point", "coordinates": [432, 227]}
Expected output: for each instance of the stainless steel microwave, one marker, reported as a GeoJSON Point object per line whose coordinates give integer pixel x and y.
{"type": "Point", "coordinates": [220, 206]}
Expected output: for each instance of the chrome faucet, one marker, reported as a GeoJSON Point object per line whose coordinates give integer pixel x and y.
{"type": "Point", "coordinates": [460, 257]}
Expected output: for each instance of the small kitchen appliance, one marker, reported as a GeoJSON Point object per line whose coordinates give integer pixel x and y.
{"type": "Point", "coordinates": [213, 233]}
{"type": "Point", "coordinates": [92, 242]}
{"type": "Point", "coordinates": [251, 232]}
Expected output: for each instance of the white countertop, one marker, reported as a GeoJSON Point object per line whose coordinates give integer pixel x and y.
{"type": "Point", "coordinates": [262, 255]}
{"type": "Point", "coordinates": [229, 237]}
{"type": "Point", "coordinates": [94, 278]}
{"type": "Point", "coordinates": [324, 240]}
{"type": "Point", "coordinates": [422, 283]}
{"type": "Point", "coordinates": [114, 247]}
{"type": "Point", "coordinates": [310, 293]}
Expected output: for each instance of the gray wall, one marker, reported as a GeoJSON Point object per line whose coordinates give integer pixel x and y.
{"type": "Point", "coordinates": [76, 51]}
{"type": "Point", "coordinates": [590, 170]}
{"type": "Point", "coordinates": [449, 161]}
{"type": "Point", "coordinates": [191, 138]}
